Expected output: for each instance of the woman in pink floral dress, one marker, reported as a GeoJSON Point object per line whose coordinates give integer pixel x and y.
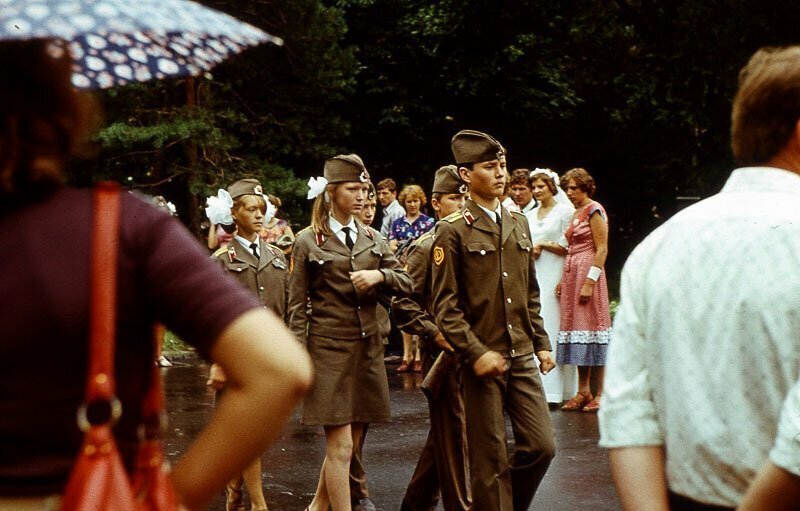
{"type": "Point", "coordinates": [585, 318]}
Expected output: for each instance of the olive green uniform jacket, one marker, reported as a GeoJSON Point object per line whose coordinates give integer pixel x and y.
{"type": "Point", "coordinates": [320, 270]}
{"type": "Point", "coordinates": [485, 294]}
{"type": "Point", "coordinates": [266, 277]}
{"type": "Point", "coordinates": [413, 313]}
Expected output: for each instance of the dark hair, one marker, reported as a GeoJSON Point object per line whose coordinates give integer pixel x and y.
{"type": "Point", "coordinates": [520, 177]}
{"type": "Point", "coordinates": [43, 120]}
{"type": "Point", "coordinates": [387, 184]}
{"type": "Point", "coordinates": [766, 108]}
{"type": "Point", "coordinates": [583, 180]}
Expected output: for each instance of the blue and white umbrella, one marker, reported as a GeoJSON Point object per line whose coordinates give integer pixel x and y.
{"type": "Point", "coordinates": [116, 42]}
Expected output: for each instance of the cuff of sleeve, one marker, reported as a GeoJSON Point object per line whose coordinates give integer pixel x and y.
{"type": "Point", "coordinates": [474, 352]}
{"type": "Point", "coordinates": [388, 278]}
{"type": "Point", "coordinates": [628, 424]}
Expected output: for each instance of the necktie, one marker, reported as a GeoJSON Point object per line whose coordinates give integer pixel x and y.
{"type": "Point", "coordinates": [499, 217]}
{"type": "Point", "coordinates": [347, 240]}
{"type": "Point", "coordinates": [254, 248]}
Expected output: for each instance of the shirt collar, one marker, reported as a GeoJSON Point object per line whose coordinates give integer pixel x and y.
{"type": "Point", "coordinates": [336, 226]}
{"type": "Point", "coordinates": [528, 207]}
{"type": "Point", "coordinates": [762, 179]}
{"type": "Point", "coordinates": [493, 214]}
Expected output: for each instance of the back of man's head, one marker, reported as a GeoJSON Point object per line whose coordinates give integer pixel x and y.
{"type": "Point", "coordinates": [767, 105]}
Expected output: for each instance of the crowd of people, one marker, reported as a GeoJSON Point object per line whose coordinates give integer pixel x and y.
{"type": "Point", "coordinates": [507, 295]}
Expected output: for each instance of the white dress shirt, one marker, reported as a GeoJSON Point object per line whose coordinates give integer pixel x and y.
{"type": "Point", "coordinates": [246, 244]}
{"type": "Point", "coordinates": [494, 215]}
{"type": "Point", "coordinates": [706, 341]}
{"type": "Point", "coordinates": [786, 452]}
{"type": "Point", "coordinates": [336, 229]}
{"type": "Point", "coordinates": [391, 213]}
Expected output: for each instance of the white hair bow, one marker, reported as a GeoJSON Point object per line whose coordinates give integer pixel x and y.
{"type": "Point", "coordinates": [271, 209]}
{"type": "Point", "coordinates": [547, 172]}
{"type": "Point", "coordinates": [219, 208]}
{"type": "Point", "coordinates": [316, 185]}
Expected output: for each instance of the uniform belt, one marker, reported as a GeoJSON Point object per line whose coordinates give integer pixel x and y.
{"type": "Point", "coordinates": [46, 503]}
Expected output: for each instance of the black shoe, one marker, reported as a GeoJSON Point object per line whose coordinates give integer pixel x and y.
{"type": "Point", "coordinates": [363, 505]}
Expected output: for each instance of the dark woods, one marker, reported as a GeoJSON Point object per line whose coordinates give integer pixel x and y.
{"type": "Point", "coordinates": [636, 91]}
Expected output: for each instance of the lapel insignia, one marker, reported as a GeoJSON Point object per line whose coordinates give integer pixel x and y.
{"type": "Point", "coordinates": [369, 234]}
{"type": "Point", "coordinates": [438, 255]}
{"type": "Point", "coordinates": [468, 217]}
{"type": "Point", "coordinates": [231, 251]}
{"type": "Point", "coordinates": [320, 239]}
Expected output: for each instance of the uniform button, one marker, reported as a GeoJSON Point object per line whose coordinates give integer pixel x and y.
{"type": "Point", "coordinates": [363, 334]}
{"type": "Point", "coordinates": [510, 326]}
{"type": "Point", "coordinates": [358, 307]}
{"type": "Point", "coordinates": [352, 258]}
{"type": "Point", "coordinates": [320, 262]}
{"type": "Point", "coordinates": [508, 300]}
{"type": "Point", "coordinates": [524, 235]}
{"type": "Point", "coordinates": [513, 352]}
{"type": "Point", "coordinates": [505, 274]}
{"type": "Point", "coordinates": [483, 252]}
{"type": "Point", "coordinates": [261, 288]}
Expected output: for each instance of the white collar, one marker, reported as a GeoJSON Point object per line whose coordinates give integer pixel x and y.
{"type": "Point", "coordinates": [762, 179]}
{"type": "Point", "coordinates": [529, 206]}
{"type": "Point", "coordinates": [246, 243]}
{"type": "Point", "coordinates": [336, 226]}
{"type": "Point", "coordinates": [494, 215]}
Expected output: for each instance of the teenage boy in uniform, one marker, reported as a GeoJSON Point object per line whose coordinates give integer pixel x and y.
{"type": "Point", "coordinates": [486, 301]}
{"type": "Point", "coordinates": [262, 269]}
{"type": "Point", "coordinates": [442, 464]}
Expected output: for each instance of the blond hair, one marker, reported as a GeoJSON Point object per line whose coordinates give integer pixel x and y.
{"type": "Point", "coordinates": [411, 192]}
{"type": "Point", "coordinates": [766, 108]}
{"type": "Point", "coordinates": [321, 211]}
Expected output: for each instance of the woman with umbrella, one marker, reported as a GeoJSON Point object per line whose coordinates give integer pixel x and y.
{"type": "Point", "coordinates": [164, 276]}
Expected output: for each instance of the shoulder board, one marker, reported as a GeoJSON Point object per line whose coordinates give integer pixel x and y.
{"type": "Point", "coordinates": [272, 248]}
{"type": "Point", "coordinates": [424, 237]}
{"type": "Point", "coordinates": [452, 217]}
{"type": "Point", "coordinates": [219, 251]}
{"type": "Point", "coordinates": [519, 214]}
{"type": "Point", "coordinates": [304, 229]}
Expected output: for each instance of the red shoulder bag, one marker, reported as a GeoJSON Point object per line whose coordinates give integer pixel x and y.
{"type": "Point", "coordinates": [98, 479]}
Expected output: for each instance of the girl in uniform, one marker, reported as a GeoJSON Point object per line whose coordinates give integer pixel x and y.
{"type": "Point", "coordinates": [339, 267]}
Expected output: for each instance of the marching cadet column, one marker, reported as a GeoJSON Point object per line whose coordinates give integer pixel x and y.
{"type": "Point", "coordinates": [486, 301]}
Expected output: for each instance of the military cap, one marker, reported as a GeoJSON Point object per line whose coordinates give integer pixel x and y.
{"type": "Point", "coordinates": [447, 181]}
{"type": "Point", "coordinates": [245, 187]}
{"type": "Point", "coordinates": [470, 146]}
{"type": "Point", "coordinates": [344, 168]}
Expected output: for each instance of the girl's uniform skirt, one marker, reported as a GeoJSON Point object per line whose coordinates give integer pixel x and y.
{"type": "Point", "coordinates": [350, 382]}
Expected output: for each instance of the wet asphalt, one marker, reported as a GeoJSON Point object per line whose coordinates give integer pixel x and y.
{"type": "Point", "coordinates": [578, 479]}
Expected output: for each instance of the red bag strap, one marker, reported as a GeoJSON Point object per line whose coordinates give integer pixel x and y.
{"type": "Point", "coordinates": [100, 384]}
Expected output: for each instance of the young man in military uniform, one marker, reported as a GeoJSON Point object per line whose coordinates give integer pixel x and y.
{"type": "Point", "coordinates": [262, 269]}
{"type": "Point", "coordinates": [486, 301]}
{"type": "Point", "coordinates": [442, 464]}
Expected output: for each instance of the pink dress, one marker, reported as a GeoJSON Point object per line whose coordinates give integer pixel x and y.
{"type": "Point", "coordinates": [585, 327]}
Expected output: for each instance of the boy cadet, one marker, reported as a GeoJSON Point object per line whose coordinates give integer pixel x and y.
{"type": "Point", "coordinates": [442, 463]}
{"type": "Point", "coordinates": [486, 301]}
{"type": "Point", "coordinates": [262, 269]}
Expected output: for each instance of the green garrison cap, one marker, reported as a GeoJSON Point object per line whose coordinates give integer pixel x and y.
{"type": "Point", "coordinates": [245, 187]}
{"type": "Point", "coordinates": [470, 146]}
{"type": "Point", "coordinates": [344, 168]}
{"type": "Point", "coordinates": [448, 181]}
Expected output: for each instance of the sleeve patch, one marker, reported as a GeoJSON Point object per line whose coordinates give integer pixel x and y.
{"type": "Point", "coordinates": [438, 255]}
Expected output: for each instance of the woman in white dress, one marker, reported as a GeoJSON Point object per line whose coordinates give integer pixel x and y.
{"type": "Point", "coordinates": [548, 222]}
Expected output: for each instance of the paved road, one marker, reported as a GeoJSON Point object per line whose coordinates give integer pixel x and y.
{"type": "Point", "coordinates": [578, 478]}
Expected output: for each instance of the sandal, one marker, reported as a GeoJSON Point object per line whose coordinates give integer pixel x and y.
{"type": "Point", "coordinates": [593, 406]}
{"type": "Point", "coordinates": [405, 367]}
{"type": "Point", "coordinates": [577, 402]}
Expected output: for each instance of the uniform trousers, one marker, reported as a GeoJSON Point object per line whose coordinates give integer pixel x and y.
{"type": "Point", "coordinates": [500, 483]}
{"type": "Point", "coordinates": [442, 466]}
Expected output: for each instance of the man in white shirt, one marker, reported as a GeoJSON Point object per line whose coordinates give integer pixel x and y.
{"type": "Point", "coordinates": [392, 210]}
{"type": "Point", "coordinates": [521, 190]}
{"type": "Point", "coordinates": [706, 342]}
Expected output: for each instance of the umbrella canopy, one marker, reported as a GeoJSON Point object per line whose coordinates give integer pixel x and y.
{"type": "Point", "coordinates": [116, 42]}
